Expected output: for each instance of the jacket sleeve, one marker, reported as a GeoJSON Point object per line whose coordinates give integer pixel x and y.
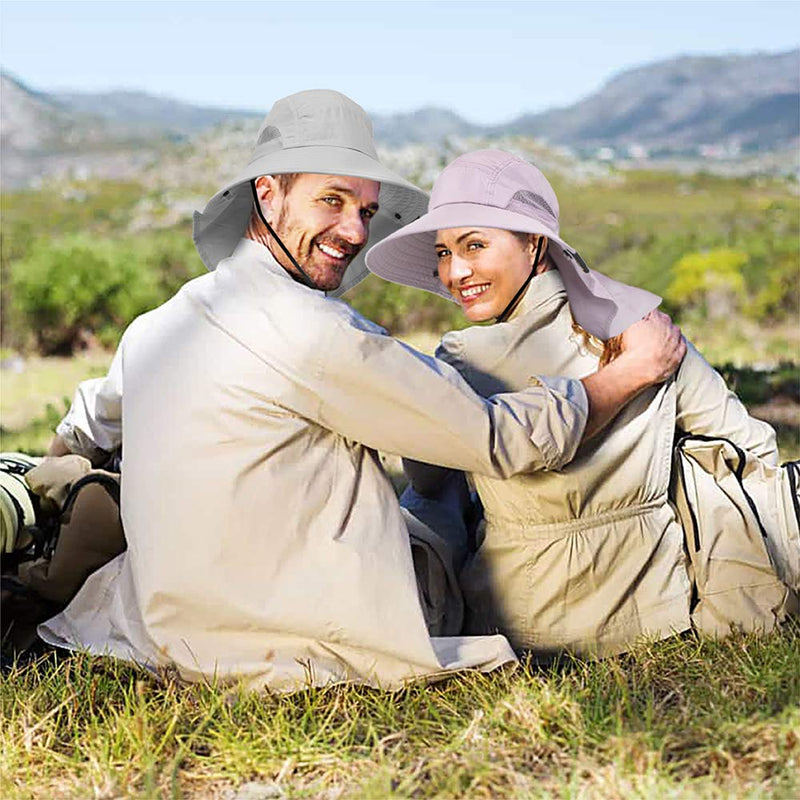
{"type": "Point", "coordinates": [706, 406]}
{"type": "Point", "coordinates": [93, 425]}
{"type": "Point", "coordinates": [376, 390]}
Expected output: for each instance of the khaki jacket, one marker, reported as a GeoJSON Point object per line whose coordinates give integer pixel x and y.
{"type": "Point", "coordinates": [589, 556]}
{"type": "Point", "coordinates": [264, 538]}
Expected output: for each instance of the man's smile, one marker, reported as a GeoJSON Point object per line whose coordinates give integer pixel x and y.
{"type": "Point", "coordinates": [332, 251]}
{"type": "Point", "coordinates": [339, 252]}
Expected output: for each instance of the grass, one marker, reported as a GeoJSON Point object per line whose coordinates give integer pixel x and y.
{"type": "Point", "coordinates": [682, 718]}
{"type": "Point", "coordinates": [679, 718]}
{"type": "Point", "coordinates": [36, 397]}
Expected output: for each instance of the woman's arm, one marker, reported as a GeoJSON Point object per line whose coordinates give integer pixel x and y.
{"type": "Point", "coordinates": [705, 405]}
{"type": "Point", "coordinates": [93, 425]}
{"type": "Point", "coordinates": [428, 479]}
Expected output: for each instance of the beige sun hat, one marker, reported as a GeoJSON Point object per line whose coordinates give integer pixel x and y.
{"type": "Point", "coordinates": [495, 189]}
{"type": "Point", "coordinates": [321, 132]}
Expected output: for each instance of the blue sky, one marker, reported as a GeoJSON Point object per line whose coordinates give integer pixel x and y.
{"type": "Point", "coordinates": [489, 61]}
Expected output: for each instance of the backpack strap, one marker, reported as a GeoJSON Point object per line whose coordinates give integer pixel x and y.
{"type": "Point", "coordinates": [108, 482]}
{"type": "Point", "coordinates": [793, 475]}
{"type": "Point", "coordinates": [683, 439]}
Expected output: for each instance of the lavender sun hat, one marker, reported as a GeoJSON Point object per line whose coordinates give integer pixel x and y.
{"type": "Point", "coordinates": [495, 189]}
{"type": "Point", "coordinates": [318, 131]}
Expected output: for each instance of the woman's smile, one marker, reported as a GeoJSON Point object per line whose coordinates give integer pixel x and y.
{"type": "Point", "coordinates": [469, 293]}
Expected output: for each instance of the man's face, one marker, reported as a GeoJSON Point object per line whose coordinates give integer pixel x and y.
{"type": "Point", "coordinates": [323, 220]}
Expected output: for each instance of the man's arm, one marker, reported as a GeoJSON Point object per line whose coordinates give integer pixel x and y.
{"type": "Point", "coordinates": [375, 390]}
{"type": "Point", "coordinates": [653, 351]}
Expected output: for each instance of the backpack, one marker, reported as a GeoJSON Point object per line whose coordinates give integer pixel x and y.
{"type": "Point", "coordinates": [741, 522]}
{"type": "Point", "coordinates": [61, 522]}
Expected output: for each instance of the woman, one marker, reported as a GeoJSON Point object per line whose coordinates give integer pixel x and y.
{"type": "Point", "coordinates": [591, 557]}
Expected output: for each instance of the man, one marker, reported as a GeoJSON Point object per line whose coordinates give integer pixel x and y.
{"type": "Point", "coordinates": [264, 540]}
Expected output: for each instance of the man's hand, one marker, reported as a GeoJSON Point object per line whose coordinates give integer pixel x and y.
{"type": "Point", "coordinates": [652, 351]}
{"type": "Point", "coordinates": [653, 348]}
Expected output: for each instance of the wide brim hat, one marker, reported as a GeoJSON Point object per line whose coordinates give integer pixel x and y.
{"type": "Point", "coordinates": [495, 189]}
{"type": "Point", "coordinates": [321, 132]}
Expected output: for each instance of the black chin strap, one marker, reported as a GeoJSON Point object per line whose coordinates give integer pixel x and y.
{"type": "Point", "coordinates": [509, 308]}
{"type": "Point", "coordinates": [304, 277]}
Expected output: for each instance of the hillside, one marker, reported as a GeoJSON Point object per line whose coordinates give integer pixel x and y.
{"type": "Point", "coordinates": [41, 136]}
{"type": "Point", "coordinates": [749, 102]}
{"type": "Point", "coordinates": [149, 113]}
{"type": "Point", "coordinates": [699, 108]}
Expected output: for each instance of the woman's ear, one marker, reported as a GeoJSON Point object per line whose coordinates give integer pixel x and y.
{"type": "Point", "coordinates": [533, 244]}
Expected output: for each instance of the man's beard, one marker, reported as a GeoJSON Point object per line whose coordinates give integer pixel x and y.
{"type": "Point", "coordinates": [325, 278]}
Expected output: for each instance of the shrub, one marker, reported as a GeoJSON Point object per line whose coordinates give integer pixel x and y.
{"type": "Point", "coordinates": [66, 289]}
{"type": "Point", "coordinates": [711, 281]}
{"type": "Point", "coordinates": [171, 254]}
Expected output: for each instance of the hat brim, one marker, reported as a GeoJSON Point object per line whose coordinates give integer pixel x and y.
{"type": "Point", "coordinates": [602, 306]}
{"type": "Point", "coordinates": [219, 227]}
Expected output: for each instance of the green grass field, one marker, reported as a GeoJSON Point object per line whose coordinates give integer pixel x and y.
{"type": "Point", "coordinates": [682, 718]}
{"type": "Point", "coordinates": [679, 719]}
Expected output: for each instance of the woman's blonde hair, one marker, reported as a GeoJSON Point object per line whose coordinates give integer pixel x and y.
{"type": "Point", "coordinates": [609, 349]}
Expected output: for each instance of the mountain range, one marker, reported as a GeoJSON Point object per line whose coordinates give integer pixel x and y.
{"type": "Point", "coordinates": [752, 101]}
{"type": "Point", "coordinates": [738, 103]}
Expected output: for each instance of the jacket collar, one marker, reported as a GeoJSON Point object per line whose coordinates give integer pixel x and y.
{"type": "Point", "coordinates": [250, 252]}
{"type": "Point", "coordinates": [541, 292]}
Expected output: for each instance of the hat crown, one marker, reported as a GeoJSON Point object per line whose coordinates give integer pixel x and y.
{"type": "Point", "coordinates": [318, 117]}
{"type": "Point", "coordinates": [498, 179]}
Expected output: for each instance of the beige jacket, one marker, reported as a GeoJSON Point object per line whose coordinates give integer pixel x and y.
{"type": "Point", "coordinates": [265, 540]}
{"type": "Point", "coordinates": [590, 556]}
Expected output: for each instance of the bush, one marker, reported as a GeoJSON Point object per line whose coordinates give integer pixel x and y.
{"type": "Point", "coordinates": [710, 281]}
{"type": "Point", "coordinates": [64, 290]}
{"type": "Point", "coordinates": [779, 289]}
{"type": "Point", "coordinates": [171, 254]}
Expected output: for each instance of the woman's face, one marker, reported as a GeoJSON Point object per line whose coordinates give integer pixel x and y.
{"type": "Point", "coordinates": [483, 268]}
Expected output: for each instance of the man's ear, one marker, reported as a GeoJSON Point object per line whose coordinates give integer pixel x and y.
{"type": "Point", "coordinates": [267, 191]}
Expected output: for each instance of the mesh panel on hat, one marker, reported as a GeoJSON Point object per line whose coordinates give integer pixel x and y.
{"type": "Point", "coordinates": [269, 133]}
{"type": "Point", "coordinates": [524, 200]}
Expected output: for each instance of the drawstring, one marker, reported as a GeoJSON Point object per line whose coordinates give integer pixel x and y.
{"type": "Point", "coordinates": [306, 279]}
{"type": "Point", "coordinates": [507, 310]}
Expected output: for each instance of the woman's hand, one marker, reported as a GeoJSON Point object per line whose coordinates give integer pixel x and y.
{"type": "Point", "coordinates": [653, 348]}
{"type": "Point", "coordinates": [58, 447]}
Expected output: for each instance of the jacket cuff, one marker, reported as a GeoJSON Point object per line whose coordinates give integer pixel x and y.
{"type": "Point", "coordinates": [79, 442]}
{"type": "Point", "coordinates": [559, 430]}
